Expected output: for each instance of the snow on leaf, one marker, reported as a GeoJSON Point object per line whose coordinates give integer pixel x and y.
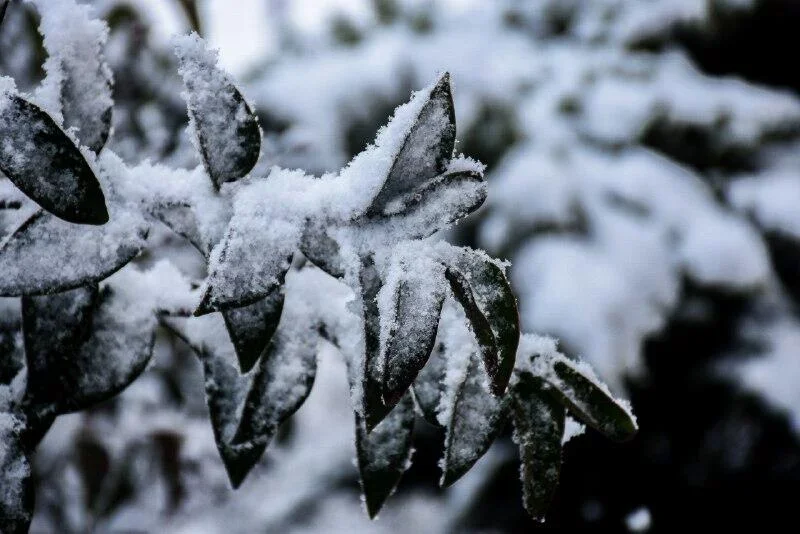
{"type": "Point", "coordinates": [48, 255]}
{"type": "Point", "coordinates": [250, 261]}
{"type": "Point", "coordinates": [251, 327]}
{"type": "Point", "coordinates": [373, 408]}
{"type": "Point", "coordinates": [226, 129]}
{"type": "Point", "coordinates": [78, 81]}
{"type": "Point", "coordinates": [54, 328]}
{"type": "Point", "coordinates": [247, 409]}
{"type": "Point", "coordinates": [321, 249]}
{"type": "Point", "coordinates": [476, 419]}
{"type": "Point", "coordinates": [45, 164]}
{"type": "Point", "coordinates": [16, 486]}
{"type": "Point", "coordinates": [426, 149]}
{"type": "Point", "coordinates": [429, 386]}
{"type": "Point", "coordinates": [384, 454]}
{"type": "Point", "coordinates": [538, 431]}
{"type": "Point", "coordinates": [410, 303]}
{"type": "Point", "coordinates": [590, 401]}
{"type": "Point", "coordinates": [115, 352]}
{"type": "Point", "coordinates": [481, 287]}
{"type": "Point", "coordinates": [434, 205]}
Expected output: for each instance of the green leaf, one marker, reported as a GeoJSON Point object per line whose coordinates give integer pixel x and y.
{"type": "Point", "coordinates": [227, 130]}
{"type": "Point", "coordinates": [426, 149]}
{"type": "Point", "coordinates": [477, 419]}
{"type": "Point", "coordinates": [429, 386]}
{"type": "Point", "coordinates": [590, 402]}
{"type": "Point", "coordinates": [482, 289]}
{"type": "Point", "coordinates": [251, 327]}
{"type": "Point", "coordinates": [17, 495]}
{"type": "Point", "coordinates": [44, 163]}
{"type": "Point", "coordinates": [384, 454]}
{"type": "Point", "coordinates": [115, 352]}
{"type": "Point", "coordinates": [47, 255]}
{"type": "Point", "coordinates": [538, 430]}
{"type": "Point", "coordinates": [416, 298]}
{"type": "Point", "coordinates": [54, 328]}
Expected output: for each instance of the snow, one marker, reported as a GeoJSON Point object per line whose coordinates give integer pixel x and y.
{"type": "Point", "coordinates": [639, 520]}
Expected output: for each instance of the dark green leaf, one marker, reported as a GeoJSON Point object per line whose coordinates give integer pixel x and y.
{"type": "Point", "coordinates": [54, 329]}
{"type": "Point", "coordinates": [427, 148]}
{"type": "Point", "coordinates": [47, 255]}
{"type": "Point", "coordinates": [384, 454]}
{"type": "Point", "coordinates": [227, 129]}
{"type": "Point", "coordinates": [538, 430]}
{"type": "Point", "coordinates": [46, 165]}
{"type": "Point", "coordinates": [485, 294]}
{"type": "Point", "coordinates": [16, 484]}
{"type": "Point", "coordinates": [417, 298]}
{"type": "Point", "coordinates": [251, 327]}
{"type": "Point", "coordinates": [477, 419]}
{"type": "Point", "coordinates": [591, 403]}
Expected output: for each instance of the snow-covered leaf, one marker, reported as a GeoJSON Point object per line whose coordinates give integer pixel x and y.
{"type": "Point", "coordinates": [48, 255]}
{"type": "Point", "coordinates": [181, 219]}
{"type": "Point", "coordinates": [384, 454]}
{"type": "Point", "coordinates": [16, 484]}
{"type": "Point", "coordinates": [426, 149]}
{"type": "Point", "coordinates": [248, 264]}
{"type": "Point", "coordinates": [410, 304]}
{"type": "Point", "coordinates": [436, 204]}
{"type": "Point", "coordinates": [429, 386]}
{"type": "Point", "coordinates": [54, 329]}
{"type": "Point", "coordinates": [251, 327]}
{"type": "Point", "coordinates": [590, 402]}
{"type": "Point", "coordinates": [45, 164]}
{"type": "Point", "coordinates": [226, 129]}
{"type": "Point", "coordinates": [481, 287]}
{"type": "Point", "coordinates": [321, 249]}
{"type": "Point", "coordinates": [115, 352]}
{"type": "Point", "coordinates": [247, 409]}
{"type": "Point", "coordinates": [371, 374]}
{"type": "Point", "coordinates": [78, 79]}
{"type": "Point", "coordinates": [477, 418]}
{"type": "Point", "coordinates": [538, 430]}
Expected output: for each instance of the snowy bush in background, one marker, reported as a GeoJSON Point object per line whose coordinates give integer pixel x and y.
{"type": "Point", "coordinates": [642, 181]}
